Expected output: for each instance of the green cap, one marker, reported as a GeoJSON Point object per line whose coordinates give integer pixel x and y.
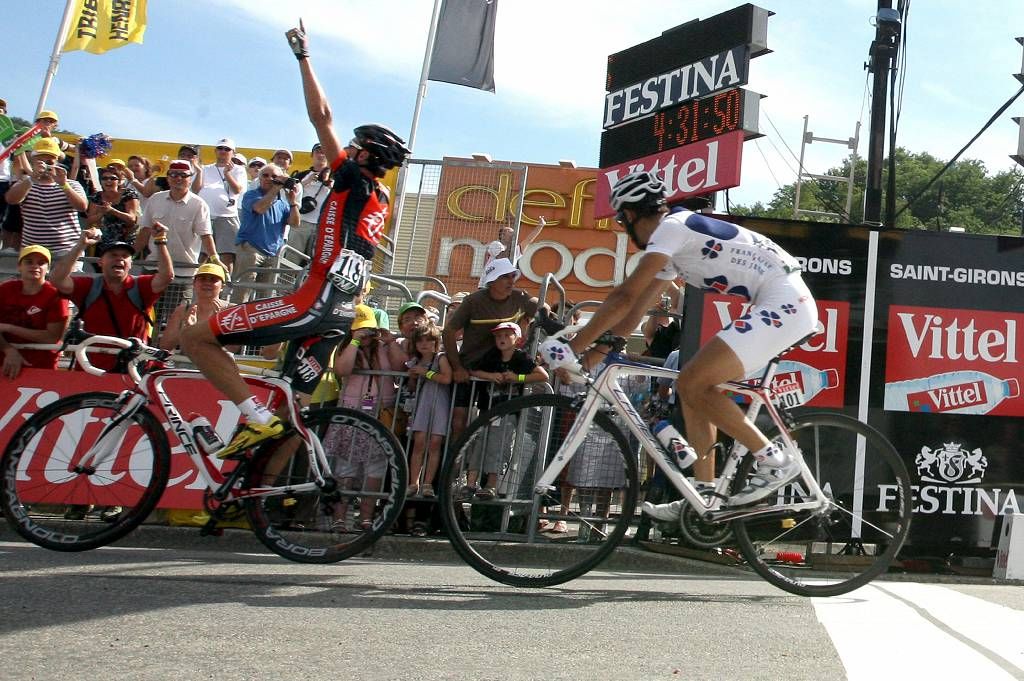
{"type": "Point", "coordinates": [412, 305]}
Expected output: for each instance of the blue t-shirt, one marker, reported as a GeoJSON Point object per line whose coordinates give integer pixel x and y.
{"type": "Point", "coordinates": [264, 232]}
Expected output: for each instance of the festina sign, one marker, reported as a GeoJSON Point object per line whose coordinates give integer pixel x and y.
{"type": "Point", "coordinates": [709, 75]}
{"type": "Point", "coordinates": [691, 170]}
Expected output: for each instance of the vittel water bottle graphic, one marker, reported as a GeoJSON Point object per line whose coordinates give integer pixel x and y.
{"type": "Point", "coordinates": [956, 392]}
{"type": "Point", "coordinates": [797, 383]}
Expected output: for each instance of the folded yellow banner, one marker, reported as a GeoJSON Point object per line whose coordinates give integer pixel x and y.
{"type": "Point", "coordinates": [100, 25]}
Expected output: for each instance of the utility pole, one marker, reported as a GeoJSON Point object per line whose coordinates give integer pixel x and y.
{"type": "Point", "coordinates": [882, 55]}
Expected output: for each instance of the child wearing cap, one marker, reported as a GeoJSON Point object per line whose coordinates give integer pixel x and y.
{"type": "Point", "coordinates": [362, 466]}
{"type": "Point", "coordinates": [207, 286]}
{"type": "Point", "coordinates": [33, 311]}
{"type": "Point", "coordinates": [508, 368]}
{"type": "Point", "coordinates": [430, 375]}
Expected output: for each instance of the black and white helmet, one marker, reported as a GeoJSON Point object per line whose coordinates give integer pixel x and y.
{"type": "Point", "coordinates": [387, 148]}
{"type": "Point", "coordinates": [639, 189]}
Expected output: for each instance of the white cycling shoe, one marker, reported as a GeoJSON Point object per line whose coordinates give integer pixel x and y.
{"type": "Point", "coordinates": [769, 477]}
{"type": "Point", "coordinates": [667, 512]}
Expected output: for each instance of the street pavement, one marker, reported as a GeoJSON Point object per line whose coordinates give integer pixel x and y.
{"type": "Point", "coordinates": [167, 604]}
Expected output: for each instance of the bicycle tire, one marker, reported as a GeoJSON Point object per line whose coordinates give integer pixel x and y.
{"type": "Point", "coordinates": [316, 526]}
{"type": "Point", "coordinates": [499, 538]}
{"type": "Point", "coordinates": [847, 545]}
{"type": "Point", "coordinates": [38, 491]}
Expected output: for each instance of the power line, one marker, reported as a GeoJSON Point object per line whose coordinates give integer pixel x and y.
{"type": "Point", "coordinates": [953, 160]}
{"type": "Point", "coordinates": [757, 145]}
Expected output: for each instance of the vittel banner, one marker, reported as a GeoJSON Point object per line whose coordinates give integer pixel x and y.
{"type": "Point", "coordinates": [956, 361]}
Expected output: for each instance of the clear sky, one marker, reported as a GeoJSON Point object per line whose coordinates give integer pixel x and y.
{"type": "Point", "coordinates": [214, 68]}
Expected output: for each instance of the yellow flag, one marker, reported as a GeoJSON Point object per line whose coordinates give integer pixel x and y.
{"type": "Point", "coordinates": [100, 25]}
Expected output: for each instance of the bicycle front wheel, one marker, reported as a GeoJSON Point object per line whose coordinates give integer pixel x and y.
{"type": "Point", "coordinates": [855, 537]}
{"type": "Point", "coordinates": [56, 495]}
{"type": "Point", "coordinates": [363, 493]}
{"type": "Point", "coordinates": [504, 529]}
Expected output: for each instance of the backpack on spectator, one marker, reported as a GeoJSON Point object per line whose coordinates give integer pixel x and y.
{"type": "Point", "coordinates": [96, 291]}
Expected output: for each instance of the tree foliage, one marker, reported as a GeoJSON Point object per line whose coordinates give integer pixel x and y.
{"type": "Point", "coordinates": [964, 196]}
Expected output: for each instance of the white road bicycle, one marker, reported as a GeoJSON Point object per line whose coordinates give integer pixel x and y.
{"type": "Point", "coordinates": [302, 494]}
{"type": "Point", "coordinates": [834, 529]}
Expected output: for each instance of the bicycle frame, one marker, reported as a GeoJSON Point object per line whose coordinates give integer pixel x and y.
{"type": "Point", "coordinates": [149, 389]}
{"type": "Point", "coordinates": [605, 390]}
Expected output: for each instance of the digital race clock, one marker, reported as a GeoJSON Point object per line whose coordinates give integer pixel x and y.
{"type": "Point", "coordinates": [686, 123]}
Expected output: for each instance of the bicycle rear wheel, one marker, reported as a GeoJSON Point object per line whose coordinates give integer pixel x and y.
{"type": "Point", "coordinates": [515, 536]}
{"type": "Point", "coordinates": [365, 489]}
{"type": "Point", "coordinates": [50, 503]}
{"type": "Point", "coordinates": [852, 540]}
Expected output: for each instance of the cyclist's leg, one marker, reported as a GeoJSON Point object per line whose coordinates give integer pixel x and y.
{"type": "Point", "coordinates": [257, 323]}
{"type": "Point", "coordinates": [784, 313]}
{"type": "Point", "coordinates": [705, 406]}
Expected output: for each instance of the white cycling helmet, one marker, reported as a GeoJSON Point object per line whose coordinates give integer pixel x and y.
{"type": "Point", "coordinates": [638, 187]}
{"type": "Point", "coordinates": [642, 191]}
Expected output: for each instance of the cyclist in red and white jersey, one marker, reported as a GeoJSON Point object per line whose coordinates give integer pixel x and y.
{"type": "Point", "coordinates": [713, 255]}
{"type": "Point", "coordinates": [351, 224]}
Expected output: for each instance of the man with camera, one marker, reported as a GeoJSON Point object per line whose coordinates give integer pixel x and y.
{"type": "Point", "coordinates": [264, 217]}
{"type": "Point", "coordinates": [50, 202]}
{"type": "Point", "coordinates": [223, 183]}
{"type": "Point", "coordinates": [316, 187]}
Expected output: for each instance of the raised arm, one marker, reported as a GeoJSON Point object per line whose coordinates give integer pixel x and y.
{"type": "Point", "coordinates": [317, 106]}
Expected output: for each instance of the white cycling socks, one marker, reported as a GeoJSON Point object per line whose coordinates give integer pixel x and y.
{"type": "Point", "coordinates": [770, 456]}
{"type": "Point", "coordinates": [255, 412]}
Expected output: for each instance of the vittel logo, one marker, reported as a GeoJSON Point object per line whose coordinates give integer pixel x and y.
{"type": "Point", "coordinates": [931, 336]}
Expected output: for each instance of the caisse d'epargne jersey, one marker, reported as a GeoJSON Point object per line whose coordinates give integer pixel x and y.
{"type": "Point", "coordinates": [352, 217]}
{"type": "Point", "coordinates": [716, 255]}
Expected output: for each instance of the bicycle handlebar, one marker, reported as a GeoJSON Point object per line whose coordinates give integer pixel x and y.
{"type": "Point", "coordinates": [135, 351]}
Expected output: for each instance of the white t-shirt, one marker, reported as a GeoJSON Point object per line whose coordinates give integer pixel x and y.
{"type": "Point", "coordinates": [494, 249]}
{"type": "Point", "coordinates": [186, 220]}
{"type": "Point", "coordinates": [217, 193]}
{"type": "Point", "coordinates": [717, 255]}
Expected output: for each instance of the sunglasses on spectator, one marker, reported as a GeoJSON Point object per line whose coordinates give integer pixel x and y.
{"type": "Point", "coordinates": [109, 178]}
{"type": "Point", "coordinates": [270, 175]}
{"type": "Point", "coordinates": [178, 173]}
{"type": "Point", "coordinates": [224, 149]}
{"type": "Point", "coordinates": [257, 165]}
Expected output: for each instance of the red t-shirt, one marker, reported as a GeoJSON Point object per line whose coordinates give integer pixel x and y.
{"type": "Point", "coordinates": [35, 311]}
{"type": "Point", "coordinates": [130, 321]}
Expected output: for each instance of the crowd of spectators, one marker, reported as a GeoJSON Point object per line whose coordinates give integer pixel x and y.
{"type": "Point", "coordinates": [52, 196]}
{"type": "Point", "coordinates": [197, 228]}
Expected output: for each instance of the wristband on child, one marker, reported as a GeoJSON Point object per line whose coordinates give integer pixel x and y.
{"type": "Point", "coordinates": [430, 375]}
{"type": "Point", "coordinates": [355, 343]}
{"type": "Point", "coordinates": [521, 378]}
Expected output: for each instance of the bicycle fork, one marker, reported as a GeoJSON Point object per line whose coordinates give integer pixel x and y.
{"type": "Point", "coordinates": [112, 434]}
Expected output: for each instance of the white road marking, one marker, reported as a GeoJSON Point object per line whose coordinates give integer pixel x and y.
{"type": "Point", "coordinates": [904, 630]}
